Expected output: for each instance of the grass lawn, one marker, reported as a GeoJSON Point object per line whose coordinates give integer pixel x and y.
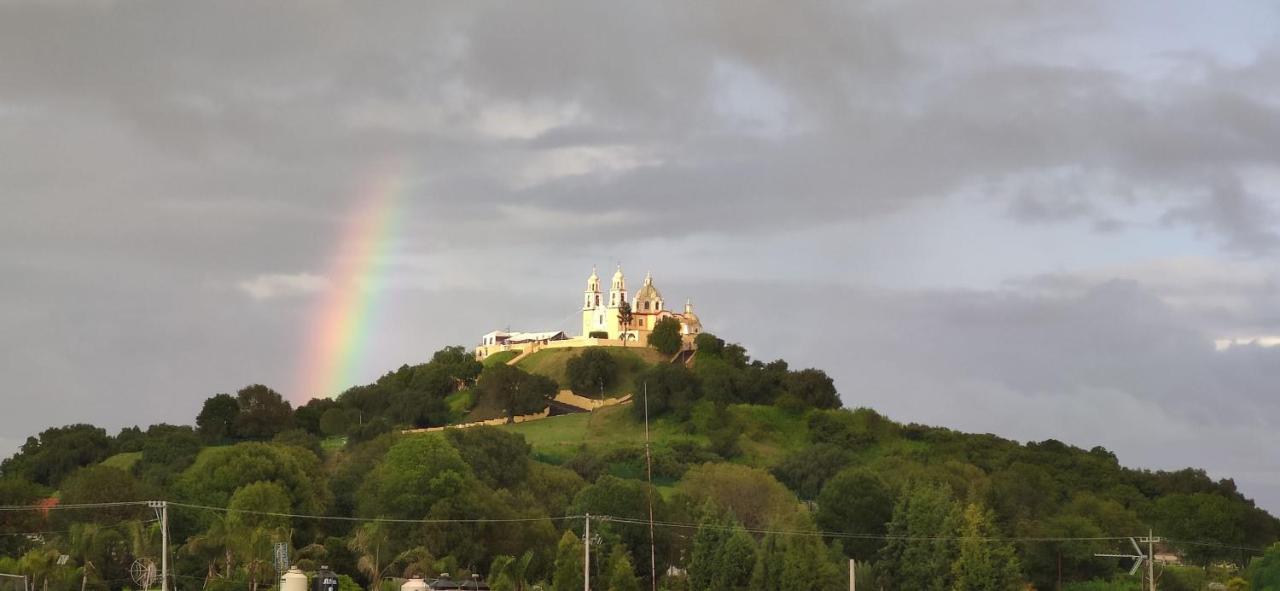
{"type": "Point", "coordinates": [558, 438]}
{"type": "Point", "coordinates": [499, 358]}
{"type": "Point", "coordinates": [631, 361]}
{"type": "Point", "coordinates": [333, 443]}
{"type": "Point", "coordinates": [123, 461]}
{"type": "Point", "coordinates": [460, 402]}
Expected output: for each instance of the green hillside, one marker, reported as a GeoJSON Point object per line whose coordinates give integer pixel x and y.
{"type": "Point", "coordinates": [738, 448]}
{"type": "Point", "coordinates": [631, 361]}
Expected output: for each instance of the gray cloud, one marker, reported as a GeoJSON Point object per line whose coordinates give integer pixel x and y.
{"type": "Point", "coordinates": [169, 169]}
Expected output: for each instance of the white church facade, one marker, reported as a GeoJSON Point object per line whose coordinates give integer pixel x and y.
{"type": "Point", "coordinates": [608, 319]}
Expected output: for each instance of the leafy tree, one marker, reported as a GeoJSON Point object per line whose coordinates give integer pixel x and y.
{"type": "Point", "coordinates": [307, 416]}
{"type": "Point", "coordinates": [166, 451]}
{"type": "Point", "coordinates": [671, 389]}
{"type": "Point", "coordinates": [418, 408]}
{"type": "Point", "coordinates": [666, 336]}
{"type": "Point", "coordinates": [103, 484]}
{"type": "Point", "coordinates": [814, 387]}
{"type": "Point", "coordinates": [251, 499]}
{"type": "Point", "coordinates": [591, 371]}
{"type": "Point", "coordinates": [752, 496]}
{"type": "Point", "coordinates": [721, 382]}
{"type": "Point", "coordinates": [263, 413]}
{"type": "Point", "coordinates": [983, 563]}
{"type": "Point", "coordinates": [1264, 571]}
{"type": "Point", "coordinates": [625, 498]}
{"type": "Point", "coordinates": [336, 421]}
{"type": "Point", "coordinates": [1071, 558]}
{"type": "Point", "coordinates": [723, 555]}
{"type": "Point", "coordinates": [916, 557]}
{"type": "Point", "coordinates": [1203, 517]}
{"type": "Point", "coordinates": [708, 345]}
{"type": "Point", "coordinates": [459, 363]}
{"type": "Point", "coordinates": [217, 419]}
{"type": "Point", "coordinates": [568, 566]}
{"type": "Point", "coordinates": [498, 458]}
{"type": "Point", "coordinates": [808, 469]}
{"type": "Point", "coordinates": [855, 501]}
{"type": "Point", "coordinates": [417, 472]}
{"type": "Point", "coordinates": [57, 452]}
{"type": "Point", "coordinates": [219, 471]}
{"type": "Point", "coordinates": [516, 391]}
{"type": "Point", "coordinates": [17, 491]}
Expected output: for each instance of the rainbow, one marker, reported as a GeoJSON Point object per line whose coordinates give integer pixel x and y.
{"type": "Point", "coordinates": [341, 322]}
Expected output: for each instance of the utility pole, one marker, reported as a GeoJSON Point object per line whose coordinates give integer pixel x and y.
{"type": "Point", "coordinates": [1151, 559]}
{"type": "Point", "coordinates": [852, 575]}
{"type": "Point", "coordinates": [163, 507]}
{"type": "Point", "coordinates": [586, 555]}
{"type": "Point", "coordinates": [648, 460]}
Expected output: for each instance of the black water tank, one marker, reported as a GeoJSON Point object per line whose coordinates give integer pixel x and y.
{"type": "Point", "coordinates": [325, 580]}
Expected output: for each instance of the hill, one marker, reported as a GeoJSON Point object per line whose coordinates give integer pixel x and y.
{"type": "Point", "coordinates": [755, 465]}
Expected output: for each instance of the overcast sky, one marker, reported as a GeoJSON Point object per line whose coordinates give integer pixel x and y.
{"type": "Point", "coordinates": [1036, 219]}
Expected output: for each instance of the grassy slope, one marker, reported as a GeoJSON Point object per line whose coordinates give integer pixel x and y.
{"type": "Point", "coordinates": [123, 461]}
{"type": "Point", "coordinates": [498, 358]}
{"type": "Point", "coordinates": [631, 361]}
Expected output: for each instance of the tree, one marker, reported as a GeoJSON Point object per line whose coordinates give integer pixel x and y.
{"type": "Point", "coordinates": [619, 574]}
{"type": "Point", "coordinates": [307, 416]}
{"type": "Point", "coordinates": [459, 363]}
{"type": "Point", "coordinates": [166, 452]}
{"type": "Point", "coordinates": [1204, 517]}
{"type": "Point", "coordinates": [666, 336]}
{"type": "Point", "coordinates": [723, 555]}
{"type": "Point", "coordinates": [336, 421]}
{"type": "Point", "coordinates": [57, 452]}
{"type": "Point", "coordinates": [263, 413]}
{"type": "Point", "coordinates": [626, 498]}
{"type": "Point", "coordinates": [508, 573]}
{"type": "Point", "coordinates": [983, 563]}
{"type": "Point", "coordinates": [568, 567]}
{"type": "Point", "coordinates": [1264, 571]}
{"type": "Point", "coordinates": [752, 496]}
{"type": "Point", "coordinates": [371, 545]}
{"type": "Point", "coordinates": [917, 557]}
{"type": "Point", "coordinates": [671, 389]}
{"type": "Point", "coordinates": [217, 419]}
{"type": "Point", "coordinates": [856, 502]}
{"type": "Point", "coordinates": [625, 316]}
{"type": "Point", "coordinates": [219, 471]}
{"type": "Point", "coordinates": [814, 387]}
{"type": "Point", "coordinates": [499, 458]}
{"type": "Point", "coordinates": [516, 391]}
{"type": "Point", "coordinates": [417, 472]}
{"type": "Point", "coordinates": [808, 469]}
{"type": "Point", "coordinates": [591, 371]}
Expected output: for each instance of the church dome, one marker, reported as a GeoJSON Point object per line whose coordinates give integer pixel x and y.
{"type": "Point", "coordinates": [648, 291]}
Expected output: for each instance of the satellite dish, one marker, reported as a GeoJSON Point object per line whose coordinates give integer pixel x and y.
{"type": "Point", "coordinates": [143, 571]}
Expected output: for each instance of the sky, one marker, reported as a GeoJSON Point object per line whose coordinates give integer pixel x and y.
{"type": "Point", "coordinates": [1030, 218]}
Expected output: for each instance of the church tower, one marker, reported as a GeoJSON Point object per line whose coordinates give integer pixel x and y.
{"type": "Point", "coordinates": [618, 291]}
{"type": "Point", "coordinates": [591, 305]}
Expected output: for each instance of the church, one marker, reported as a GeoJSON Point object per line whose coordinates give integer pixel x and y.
{"type": "Point", "coordinates": [603, 318]}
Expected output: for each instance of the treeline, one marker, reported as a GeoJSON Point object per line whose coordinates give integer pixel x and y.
{"type": "Point", "coordinates": [762, 482]}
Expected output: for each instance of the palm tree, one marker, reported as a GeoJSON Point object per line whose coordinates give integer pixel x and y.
{"type": "Point", "coordinates": [214, 544]}
{"type": "Point", "coordinates": [93, 543]}
{"type": "Point", "coordinates": [370, 543]}
{"type": "Point", "coordinates": [40, 564]}
{"type": "Point", "coordinates": [508, 573]}
{"type": "Point", "coordinates": [624, 319]}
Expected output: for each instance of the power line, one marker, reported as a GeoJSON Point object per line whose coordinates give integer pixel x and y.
{"type": "Point", "coordinates": [374, 519]}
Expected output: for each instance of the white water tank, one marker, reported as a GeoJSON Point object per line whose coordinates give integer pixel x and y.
{"type": "Point", "coordinates": [414, 584]}
{"type": "Point", "coordinates": [293, 580]}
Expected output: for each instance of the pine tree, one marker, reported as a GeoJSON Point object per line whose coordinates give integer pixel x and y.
{"type": "Point", "coordinates": [723, 555]}
{"type": "Point", "coordinates": [983, 564]}
{"type": "Point", "coordinates": [620, 574]}
{"type": "Point", "coordinates": [915, 558]}
{"type": "Point", "coordinates": [568, 566]}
